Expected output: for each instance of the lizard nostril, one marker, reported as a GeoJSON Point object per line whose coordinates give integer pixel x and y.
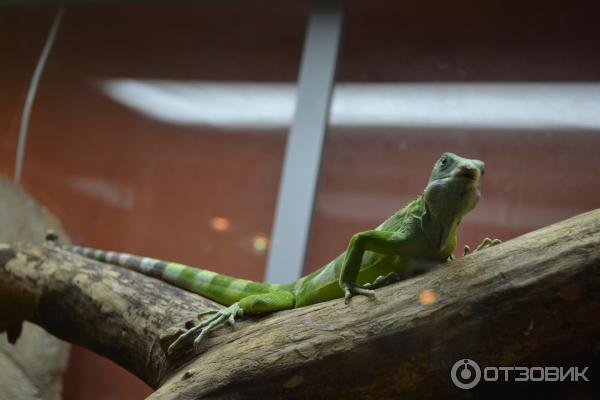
{"type": "Point", "coordinates": [467, 171]}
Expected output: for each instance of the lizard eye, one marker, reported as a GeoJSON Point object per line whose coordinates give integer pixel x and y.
{"type": "Point", "coordinates": [443, 161]}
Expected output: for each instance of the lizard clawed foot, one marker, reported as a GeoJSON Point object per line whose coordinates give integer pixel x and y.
{"type": "Point", "coordinates": [351, 289]}
{"type": "Point", "coordinates": [487, 242]}
{"type": "Point", "coordinates": [226, 315]}
{"type": "Point", "coordinates": [383, 280]}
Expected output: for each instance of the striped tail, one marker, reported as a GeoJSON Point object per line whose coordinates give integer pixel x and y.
{"type": "Point", "coordinates": [223, 289]}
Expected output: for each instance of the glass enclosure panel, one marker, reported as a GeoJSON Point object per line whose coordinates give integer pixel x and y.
{"type": "Point", "coordinates": [516, 85]}
{"type": "Point", "coordinates": [145, 137]}
{"type": "Point", "coordinates": [136, 138]}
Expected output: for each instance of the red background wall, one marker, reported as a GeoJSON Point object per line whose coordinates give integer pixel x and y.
{"type": "Point", "coordinates": [124, 181]}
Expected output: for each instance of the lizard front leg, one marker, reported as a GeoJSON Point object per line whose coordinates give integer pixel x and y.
{"type": "Point", "coordinates": [383, 242]}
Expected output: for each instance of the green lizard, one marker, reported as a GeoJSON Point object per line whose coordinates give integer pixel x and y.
{"type": "Point", "coordinates": [424, 230]}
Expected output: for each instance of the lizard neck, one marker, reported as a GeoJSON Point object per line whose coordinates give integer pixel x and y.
{"type": "Point", "coordinates": [445, 202]}
{"type": "Point", "coordinates": [440, 228]}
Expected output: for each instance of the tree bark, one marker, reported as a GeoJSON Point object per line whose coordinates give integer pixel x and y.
{"type": "Point", "coordinates": [117, 313]}
{"type": "Point", "coordinates": [534, 300]}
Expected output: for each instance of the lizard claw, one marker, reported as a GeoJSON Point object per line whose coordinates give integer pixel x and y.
{"type": "Point", "coordinates": [487, 242]}
{"type": "Point", "coordinates": [351, 289]}
{"type": "Point", "coordinates": [466, 250]}
{"type": "Point", "coordinates": [198, 340]}
{"type": "Point", "coordinates": [231, 320]}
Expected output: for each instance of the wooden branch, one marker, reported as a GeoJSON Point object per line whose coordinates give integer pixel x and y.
{"type": "Point", "coordinates": [531, 301]}
{"type": "Point", "coordinates": [117, 313]}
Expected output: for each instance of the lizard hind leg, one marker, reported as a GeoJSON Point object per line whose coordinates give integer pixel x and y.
{"type": "Point", "coordinates": [199, 331]}
{"type": "Point", "coordinates": [252, 304]}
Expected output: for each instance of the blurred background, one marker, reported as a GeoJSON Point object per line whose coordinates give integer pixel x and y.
{"type": "Point", "coordinates": [159, 128]}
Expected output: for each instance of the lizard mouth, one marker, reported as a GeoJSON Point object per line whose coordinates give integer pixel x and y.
{"type": "Point", "coordinates": [467, 173]}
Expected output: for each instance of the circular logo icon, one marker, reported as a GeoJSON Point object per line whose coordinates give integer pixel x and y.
{"type": "Point", "coordinates": [465, 373]}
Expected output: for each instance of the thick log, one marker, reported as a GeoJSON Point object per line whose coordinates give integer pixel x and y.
{"type": "Point", "coordinates": [534, 300]}
{"type": "Point", "coordinates": [115, 312]}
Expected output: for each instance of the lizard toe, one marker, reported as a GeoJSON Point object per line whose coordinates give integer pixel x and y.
{"type": "Point", "coordinates": [351, 290]}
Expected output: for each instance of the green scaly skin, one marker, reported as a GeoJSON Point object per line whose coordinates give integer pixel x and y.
{"type": "Point", "coordinates": [421, 234]}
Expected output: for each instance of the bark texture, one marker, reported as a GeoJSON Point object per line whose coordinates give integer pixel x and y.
{"type": "Point", "coordinates": [110, 310]}
{"type": "Point", "coordinates": [533, 300]}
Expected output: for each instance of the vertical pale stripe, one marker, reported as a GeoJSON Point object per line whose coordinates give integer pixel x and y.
{"type": "Point", "coordinates": [172, 271]}
{"type": "Point", "coordinates": [203, 279]}
{"type": "Point", "coordinates": [123, 258]}
{"type": "Point", "coordinates": [238, 286]}
{"type": "Point", "coordinates": [33, 86]}
{"type": "Point", "coordinates": [111, 257]}
{"type": "Point", "coordinates": [147, 263]}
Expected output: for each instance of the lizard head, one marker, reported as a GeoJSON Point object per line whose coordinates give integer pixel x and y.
{"type": "Point", "coordinates": [453, 187]}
